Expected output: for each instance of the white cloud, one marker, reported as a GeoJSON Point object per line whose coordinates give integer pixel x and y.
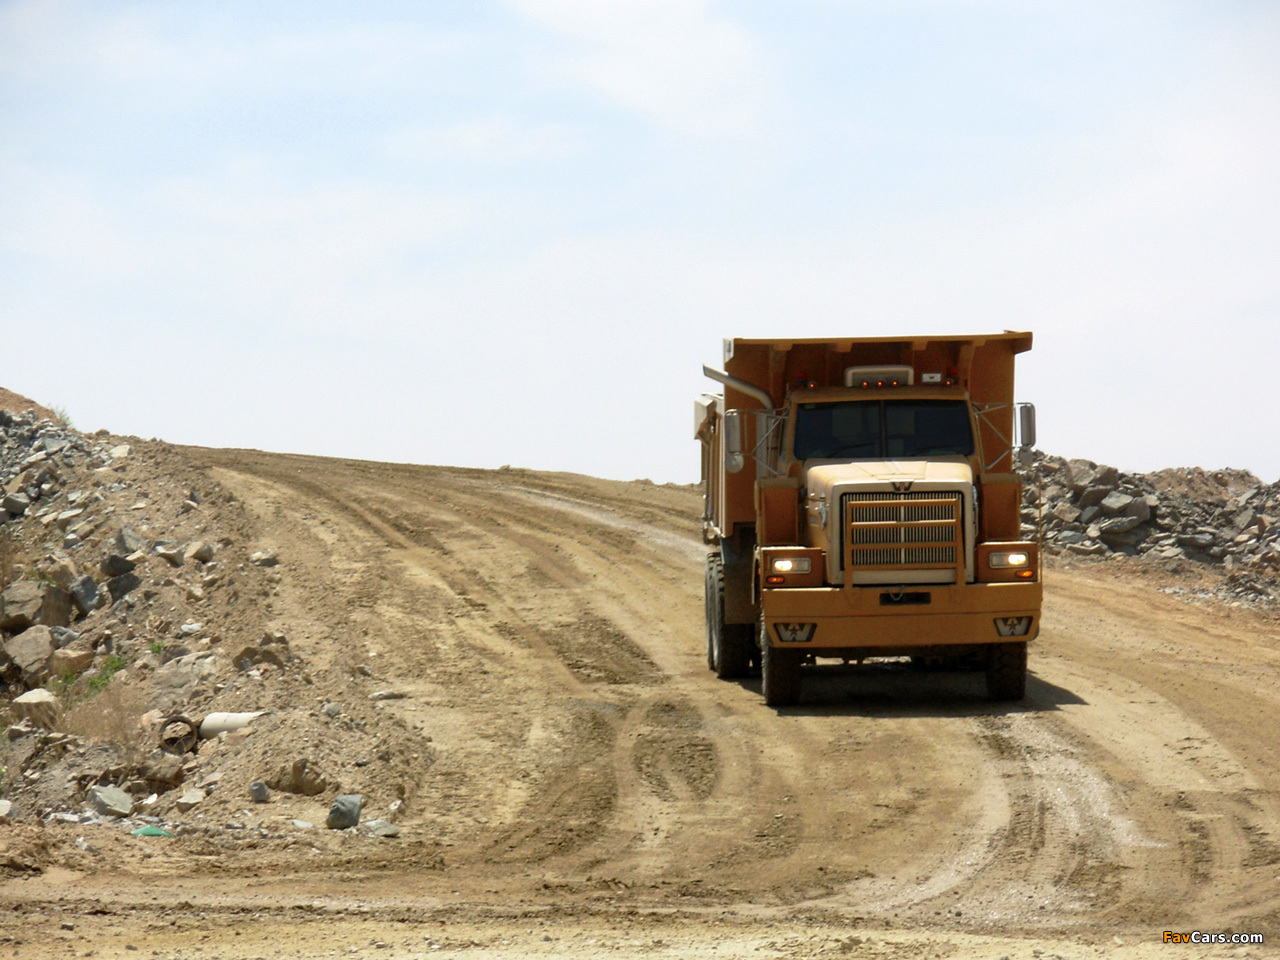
{"type": "Point", "coordinates": [674, 62]}
{"type": "Point", "coordinates": [494, 141]}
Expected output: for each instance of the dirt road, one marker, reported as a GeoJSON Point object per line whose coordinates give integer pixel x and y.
{"type": "Point", "coordinates": [595, 788]}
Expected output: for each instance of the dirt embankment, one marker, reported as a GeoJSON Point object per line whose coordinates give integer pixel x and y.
{"type": "Point", "coordinates": [573, 779]}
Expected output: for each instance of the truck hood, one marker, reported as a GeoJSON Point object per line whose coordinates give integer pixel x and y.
{"type": "Point", "coordinates": [952, 473]}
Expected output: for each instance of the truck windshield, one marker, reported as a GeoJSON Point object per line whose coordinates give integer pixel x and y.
{"type": "Point", "coordinates": [882, 429]}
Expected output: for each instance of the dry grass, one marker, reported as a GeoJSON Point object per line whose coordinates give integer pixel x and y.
{"type": "Point", "coordinates": [111, 716]}
{"type": "Point", "coordinates": [6, 558]}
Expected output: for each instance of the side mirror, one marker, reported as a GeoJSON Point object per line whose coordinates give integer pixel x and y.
{"type": "Point", "coordinates": [733, 458]}
{"type": "Point", "coordinates": [1027, 425]}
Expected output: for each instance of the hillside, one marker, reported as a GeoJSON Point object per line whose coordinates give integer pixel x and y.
{"type": "Point", "coordinates": [508, 667]}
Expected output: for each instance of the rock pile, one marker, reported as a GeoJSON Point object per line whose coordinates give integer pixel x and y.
{"type": "Point", "coordinates": [1224, 518]}
{"type": "Point", "coordinates": [135, 596]}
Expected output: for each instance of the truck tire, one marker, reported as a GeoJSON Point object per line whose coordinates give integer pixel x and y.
{"type": "Point", "coordinates": [728, 644]}
{"type": "Point", "coordinates": [779, 673]}
{"type": "Point", "coordinates": [712, 618]}
{"type": "Point", "coordinates": [1007, 671]}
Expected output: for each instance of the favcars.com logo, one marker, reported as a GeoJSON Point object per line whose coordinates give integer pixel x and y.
{"type": "Point", "coordinates": [1196, 936]}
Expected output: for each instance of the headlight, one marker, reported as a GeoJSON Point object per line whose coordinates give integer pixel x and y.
{"type": "Point", "coordinates": [793, 565]}
{"type": "Point", "coordinates": [1001, 560]}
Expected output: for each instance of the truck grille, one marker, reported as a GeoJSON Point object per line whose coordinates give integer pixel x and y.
{"type": "Point", "coordinates": [903, 530]}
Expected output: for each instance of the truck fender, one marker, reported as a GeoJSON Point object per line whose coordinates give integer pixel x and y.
{"type": "Point", "coordinates": [738, 554]}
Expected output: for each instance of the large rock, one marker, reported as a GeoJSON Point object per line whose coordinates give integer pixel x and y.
{"type": "Point", "coordinates": [345, 811]}
{"type": "Point", "coordinates": [1139, 509]}
{"type": "Point", "coordinates": [1115, 503]}
{"type": "Point", "coordinates": [31, 651]}
{"type": "Point", "coordinates": [129, 541]}
{"type": "Point", "coordinates": [174, 682]}
{"type": "Point", "coordinates": [116, 565]}
{"type": "Point", "coordinates": [1065, 512]}
{"type": "Point", "coordinates": [20, 604]}
{"type": "Point", "coordinates": [39, 706]}
{"type": "Point", "coordinates": [110, 801]}
{"type": "Point", "coordinates": [84, 594]}
{"type": "Point", "coordinates": [122, 586]}
{"type": "Point", "coordinates": [1082, 474]}
{"type": "Point", "coordinates": [26, 602]}
{"type": "Point", "coordinates": [69, 662]}
{"type": "Point", "coordinates": [15, 503]}
{"type": "Point", "coordinates": [199, 550]}
{"type": "Point", "coordinates": [1094, 495]}
{"type": "Point", "coordinates": [63, 572]}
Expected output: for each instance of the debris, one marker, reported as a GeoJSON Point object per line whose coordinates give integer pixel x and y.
{"type": "Point", "coordinates": [216, 723]}
{"type": "Point", "coordinates": [150, 831]}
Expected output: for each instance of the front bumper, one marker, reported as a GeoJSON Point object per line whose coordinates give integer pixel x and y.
{"type": "Point", "coordinates": [916, 615]}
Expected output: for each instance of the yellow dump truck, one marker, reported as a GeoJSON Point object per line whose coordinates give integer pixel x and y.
{"type": "Point", "coordinates": [861, 502]}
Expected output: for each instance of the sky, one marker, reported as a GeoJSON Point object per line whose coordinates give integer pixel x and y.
{"type": "Point", "coordinates": [486, 233]}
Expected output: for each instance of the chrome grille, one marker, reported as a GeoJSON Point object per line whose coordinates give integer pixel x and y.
{"type": "Point", "coordinates": [897, 530]}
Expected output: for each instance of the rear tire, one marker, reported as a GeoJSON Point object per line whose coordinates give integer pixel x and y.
{"type": "Point", "coordinates": [729, 646]}
{"type": "Point", "coordinates": [1007, 671]}
{"type": "Point", "coordinates": [779, 672]}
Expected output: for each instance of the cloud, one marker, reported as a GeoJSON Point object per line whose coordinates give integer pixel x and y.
{"type": "Point", "coordinates": [494, 141]}
{"type": "Point", "coordinates": [674, 62]}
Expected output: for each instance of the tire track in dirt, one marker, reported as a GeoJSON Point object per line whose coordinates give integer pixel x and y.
{"type": "Point", "coordinates": [1116, 792]}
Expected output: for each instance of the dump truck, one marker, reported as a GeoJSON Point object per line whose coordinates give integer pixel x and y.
{"type": "Point", "coordinates": [861, 503]}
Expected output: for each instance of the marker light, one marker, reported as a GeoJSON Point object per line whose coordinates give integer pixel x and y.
{"type": "Point", "coordinates": [1004, 560]}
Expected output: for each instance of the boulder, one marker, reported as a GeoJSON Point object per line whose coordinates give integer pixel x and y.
{"type": "Point", "coordinates": [258, 792]}
{"type": "Point", "coordinates": [1094, 495]}
{"type": "Point", "coordinates": [31, 651]}
{"type": "Point", "coordinates": [68, 662]}
{"type": "Point", "coordinates": [129, 541]}
{"type": "Point", "coordinates": [174, 682]}
{"type": "Point", "coordinates": [40, 707]}
{"type": "Point", "coordinates": [199, 550]}
{"type": "Point", "coordinates": [189, 800]}
{"type": "Point", "coordinates": [15, 503]}
{"type": "Point", "coordinates": [1139, 508]}
{"type": "Point", "coordinates": [84, 594]}
{"type": "Point", "coordinates": [116, 565]}
{"type": "Point", "coordinates": [1065, 512]}
{"type": "Point", "coordinates": [63, 572]}
{"type": "Point", "coordinates": [122, 586]}
{"type": "Point", "coordinates": [344, 812]}
{"type": "Point", "coordinates": [1115, 503]}
{"type": "Point", "coordinates": [110, 801]}
{"type": "Point", "coordinates": [264, 558]}
{"type": "Point", "coordinates": [20, 604]}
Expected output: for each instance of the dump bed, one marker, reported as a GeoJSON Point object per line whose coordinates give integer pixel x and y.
{"type": "Point", "coordinates": [982, 364]}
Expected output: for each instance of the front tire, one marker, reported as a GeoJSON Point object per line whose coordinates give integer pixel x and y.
{"type": "Point", "coordinates": [779, 672]}
{"type": "Point", "coordinates": [1007, 671]}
